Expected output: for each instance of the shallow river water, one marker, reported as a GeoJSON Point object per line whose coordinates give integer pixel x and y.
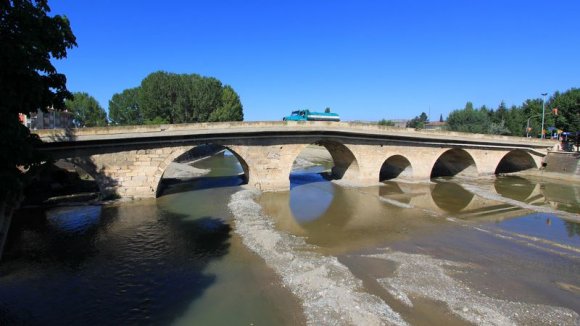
{"type": "Point", "coordinates": [493, 251]}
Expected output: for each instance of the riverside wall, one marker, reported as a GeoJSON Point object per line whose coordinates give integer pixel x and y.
{"type": "Point", "coordinates": [563, 163]}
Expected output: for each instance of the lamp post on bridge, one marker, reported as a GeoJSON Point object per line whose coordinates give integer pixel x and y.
{"type": "Point", "coordinates": [543, 114]}
{"type": "Point", "coordinates": [528, 125]}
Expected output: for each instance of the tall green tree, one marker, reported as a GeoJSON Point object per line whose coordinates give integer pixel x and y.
{"type": "Point", "coordinates": [86, 110]}
{"type": "Point", "coordinates": [230, 108]}
{"type": "Point", "coordinates": [515, 121]}
{"type": "Point", "coordinates": [205, 95]}
{"type": "Point", "coordinates": [124, 108]}
{"type": "Point", "coordinates": [157, 97]}
{"type": "Point", "coordinates": [500, 114]}
{"type": "Point", "coordinates": [568, 105]}
{"type": "Point", "coordinates": [178, 98]}
{"type": "Point", "coordinates": [469, 120]}
{"type": "Point", "coordinates": [29, 40]}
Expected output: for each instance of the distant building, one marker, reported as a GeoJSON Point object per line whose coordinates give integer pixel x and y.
{"type": "Point", "coordinates": [436, 125]}
{"type": "Point", "coordinates": [52, 119]}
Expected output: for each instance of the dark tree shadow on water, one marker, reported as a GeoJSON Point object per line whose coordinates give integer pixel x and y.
{"type": "Point", "coordinates": [118, 274]}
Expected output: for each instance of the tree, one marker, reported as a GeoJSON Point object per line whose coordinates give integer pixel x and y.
{"type": "Point", "coordinates": [419, 121]}
{"type": "Point", "coordinates": [441, 118]}
{"type": "Point", "coordinates": [230, 108]}
{"type": "Point", "coordinates": [515, 121]}
{"type": "Point", "coordinates": [469, 120]}
{"type": "Point", "coordinates": [498, 128]}
{"type": "Point", "coordinates": [157, 97]}
{"type": "Point", "coordinates": [384, 122]}
{"type": "Point", "coordinates": [176, 98]}
{"type": "Point", "coordinates": [205, 96]}
{"type": "Point", "coordinates": [30, 39]}
{"type": "Point", "coordinates": [500, 114]}
{"type": "Point", "coordinates": [86, 110]}
{"type": "Point", "coordinates": [568, 104]}
{"type": "Point", "coordinates": [124, 108]}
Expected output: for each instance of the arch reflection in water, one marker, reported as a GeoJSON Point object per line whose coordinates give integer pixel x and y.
{"type": "Point", "coordinates": [517, 188]}
{"type": "Point", "coordinates": [310, 200]}
{"type": "Point", "coordinates": [392, 190]}
{"type": "Point", "coordinates": [451, 197]}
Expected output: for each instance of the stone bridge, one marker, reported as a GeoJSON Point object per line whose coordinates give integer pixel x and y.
{"type": "Point", "coordinates": [130, 161]}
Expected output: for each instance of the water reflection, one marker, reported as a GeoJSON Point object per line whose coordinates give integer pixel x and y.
{"type": "Point", "coordinates": [309, 203]}
{"type": "Point", "coordinates": [75, 219]}
{"type": "Point", "coordinates": [338, 218]}
{"type": "Point", "coordinates": [516, 188]}
{"type": "Point", "coordinates": [451, 197]}
{"type": "Point", "coordinates": [444, 196]}
{"type": "Point", "coordinates": [138, 263]}
{"type": "Point", "coordinates": [572, 228]}
{"type": "Point", "coordinates": [557, 195]}
{"type": "Point", "coordinates": [545, 226]}
{"type": "Point", "coordinates": [393, 190]}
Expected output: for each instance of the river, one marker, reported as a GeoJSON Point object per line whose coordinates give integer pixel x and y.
{"type": "Point", "coordinates": [502, 250]}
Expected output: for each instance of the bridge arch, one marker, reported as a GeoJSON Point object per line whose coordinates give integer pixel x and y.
{"type": "Point", "coordinates": [515, 161]}
{"type": "Point", "coordinates": [181, 153]}
{"type": "Point", "coordinates": [345, 163]}
{"type": "Point", "coordinates": [106, 184]}
{"type": "Point", "coordinates": [396, 166]}
{"type": "Point", "coordinates": [454, 162]}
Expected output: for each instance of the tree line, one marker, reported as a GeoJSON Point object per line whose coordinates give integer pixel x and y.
{"type": "Point", "coordinates": [162, 97]}
{"type": "Point", "coordinates": [562, 112]}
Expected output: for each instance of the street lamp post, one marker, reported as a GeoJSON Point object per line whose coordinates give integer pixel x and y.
{"type": "Point", "coordinates": [528, 125]}
{"type": "Point", "coordinates": [543, 114]}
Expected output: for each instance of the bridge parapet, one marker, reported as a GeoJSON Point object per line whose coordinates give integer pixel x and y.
{"type": "Point", "coordinates": [296, 127]}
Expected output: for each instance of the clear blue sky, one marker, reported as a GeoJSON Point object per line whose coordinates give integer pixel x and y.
{"type": "Point", "coordinates": [367, 60]}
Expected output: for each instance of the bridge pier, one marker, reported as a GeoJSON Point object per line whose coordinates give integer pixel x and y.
{"type": "Point", "coordinates": [128, 174]}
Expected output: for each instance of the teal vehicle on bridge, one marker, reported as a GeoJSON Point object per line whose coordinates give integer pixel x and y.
{"type": "Point", "coordinates": [306, 115]}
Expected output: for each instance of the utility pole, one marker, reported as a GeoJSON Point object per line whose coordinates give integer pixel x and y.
{"type": "Point", "coordinates": [543, 113]}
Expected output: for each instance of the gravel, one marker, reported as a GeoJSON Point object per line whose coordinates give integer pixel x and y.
{"type": "Point", "coordinates": [424, 276]}
{"type": "Point", "coordinates": [330, 294]}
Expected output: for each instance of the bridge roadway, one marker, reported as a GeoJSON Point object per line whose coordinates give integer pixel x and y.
{"type": "Point", "coordinates": [129, 161]}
